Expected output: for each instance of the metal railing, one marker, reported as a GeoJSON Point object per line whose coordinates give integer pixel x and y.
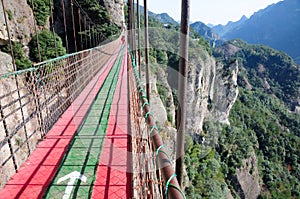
{"type": "Point", "coordinates": [32, 100]}
{"type": "Point", "coordinates": [155, 169]}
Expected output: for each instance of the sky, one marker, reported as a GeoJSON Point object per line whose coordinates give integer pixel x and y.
{"type": "Point", "coordinates": [210, 11]}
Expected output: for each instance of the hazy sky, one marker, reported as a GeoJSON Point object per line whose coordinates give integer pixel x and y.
{"type": "Point", "coordinates": [210, 11]}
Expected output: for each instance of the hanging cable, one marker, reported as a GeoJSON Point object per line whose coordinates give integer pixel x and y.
{"type": "Point", "coordinates": [73, 23]}
{"type": "Point", "coordinates": [85, 30]}
{"type": "Point", "coordinates": [65, 25]}
{"type": "Point", "coordinates": [36, 32]}
{"type": "Point", "coordinates": [80, 30]}
{"type": "Point", "coordinates": [53, 29]}
{"type": "Point", "coordinates": [139, 36]}
{"type": "Point", "coordinates": [15, 69]}
{"type": "Point", "coordinates": [147, 49]}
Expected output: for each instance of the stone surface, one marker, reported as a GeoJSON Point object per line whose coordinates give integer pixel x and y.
{"type": "Point", "coordinates": [21, 24]}
{"type": "Point", "coordinates": [115, 9]}
{"type": "Point", "coordinates": [248, 177]}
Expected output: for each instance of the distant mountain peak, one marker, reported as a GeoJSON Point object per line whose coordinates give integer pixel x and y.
{"type": "Point", "coordinates": [163, 18]}
{"type": "Point", "coordinates": [277, 26]}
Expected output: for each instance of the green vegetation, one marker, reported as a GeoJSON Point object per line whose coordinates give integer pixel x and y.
{"type": "Point", "coordinates": [262, 125]}
{"type": "Point", "coordinates": [163, 94]}
{"type": "Point", "coordinates": [50, 46]}
{"type": "Point", "coordinates": [9, 14]}
{"type": "Point", "coordinates": [22, 62]}
{"type": "Point", "coordinates": [274, 133]}
{"type": "Point", "coordinates": [205, 174]}
{"type": "Point", "coordinates": [100, 17]}
{"type": "Point", "coordinates": [277, 68]}
{"type": "Point", "coordinates": [41, 10]}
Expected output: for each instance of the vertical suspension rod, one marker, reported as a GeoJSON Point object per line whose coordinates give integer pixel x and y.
{"type": "Point", "coordinates": [80, 29]}
{"type": "Point", "coordinates": [36, 32]}
{"type": "Point", "coordinates": [73, 23]}
{"type": "Point", "coordinates": [16, 79]}
{"type": "Point", "coordinates": [130, 2]}
{"type": "Point", "coordinates": [182, 86]}
{"type": "Point", "coordinates": [1, 112]}
{"type": "Point", "coordinates": [133, 32]}
{"type": "Point", "coordinates": [147, 49]}
{"type": "Point", "coordinates": [53, 29]}
{"type": "Point", "coordinates": [65, 25]}
{"type": "Point", "coordinates": [139, 36]}
{"type": "Point", "coordinates": [85, 35]}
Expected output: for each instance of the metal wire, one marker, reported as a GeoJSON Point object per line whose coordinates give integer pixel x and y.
{"type": "Point", "coordinates": [45, 92]}
{"type": "Point", "coordinates": [158, 163]}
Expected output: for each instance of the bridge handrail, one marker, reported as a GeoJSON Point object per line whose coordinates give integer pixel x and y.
{"type": "Point", "coordinates": [35, 66]}
{"type": "Point", "coordinates": [32, 100]}
{"type": "Point", "coordinates": [163, 159]}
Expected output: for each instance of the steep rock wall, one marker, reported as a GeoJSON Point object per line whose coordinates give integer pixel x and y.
{"type": "Point", "coordinates": [212, 91]}
{"type": "Point", "coordinates": [20, 22]}
{"type": "Point", "coordinates": [115, 9]}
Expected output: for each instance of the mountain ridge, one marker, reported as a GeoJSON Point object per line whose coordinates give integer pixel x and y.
{"type": "Point", "coordinates": [275, 26]}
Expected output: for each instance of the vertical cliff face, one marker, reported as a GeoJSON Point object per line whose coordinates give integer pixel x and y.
{"type": "Point", "coordinates": [212, 91]}
{"type": "Point", "coordinates": [225, 91]}
{"type": "Point", "coordinates": [115, 9]}
{"type": "Point", "coordinates": [20, 22]}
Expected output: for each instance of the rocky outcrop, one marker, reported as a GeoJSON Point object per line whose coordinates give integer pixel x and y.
{"type": "Point", "coordinates": [6, 63]}
{"type": "Point", "coordinates": [23, 138]}
{"type": "Point", "coordinates": [201, 78]}
{"type": "Point", "coordinates": [115, 9]}
{"type": "Point", "coordinates": [212, 91]}
{"type": "Point", "coordinates": [20, 22]}
{"type": "Point", "coordinates": [248, 178]}
{"type": "Point", "coordinates": [225, 91]}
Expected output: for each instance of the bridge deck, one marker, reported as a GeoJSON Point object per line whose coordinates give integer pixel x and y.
{"type": "Point", "coordinates": [86, 153]}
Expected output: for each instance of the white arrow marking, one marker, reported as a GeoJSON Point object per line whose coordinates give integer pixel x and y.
{"type": "Point", "coordinates": [72, 176]}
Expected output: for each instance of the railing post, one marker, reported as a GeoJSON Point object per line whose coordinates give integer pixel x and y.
{"type": "Point", "coordinates": [15, 76]}
{"type": "Point", "coordinates": [147, 50]}
{"type": "Point", "coordinates": [8, 140]}
{"type": "Point", "coordinates": [130, 2]}
{"type": "Point", "coordinates": [79, 19]}
{"type": "Point", "coordinates": [73, 23]}
{"type": "Point", "coordinates": [133, 32]}
{"type": "Point", "coordinates": [139, 36]}
{"type": "Point", "coordinates": [182, 86]}
{"type": "Point", "coordinates": [65, 25]}
{"type": "Point", "coordinates": [52, 25]}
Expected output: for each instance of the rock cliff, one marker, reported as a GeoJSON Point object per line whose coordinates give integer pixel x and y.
{"type": "Point", "coordinates": [20, 22]}
{"type": "Point", "coordinates": [212, 91]}
{"type": "Point", "coordinates": [115, 9]}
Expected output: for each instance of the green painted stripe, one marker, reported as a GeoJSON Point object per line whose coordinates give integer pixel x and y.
{"type": "Point", "coordinates": [85, 149]}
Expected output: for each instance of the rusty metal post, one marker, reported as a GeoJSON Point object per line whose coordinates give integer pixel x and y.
{"type": "Point", "coordinates": [147, 49]}
{"type": "Point", "coordinates": [65, 25]}
{"type": "Point", "coordinates": [16, 78]}
{"type": "Point", "coordinates": [130, 2]}
{"type": "Point", "coordinates": [139, 36]}
{"type": "Point", "coordinates": [90, 35]}
{"type": "Point", "coordinates": [36, 32]}
{"type": "Point", "coordinates": [73, 23]}
{"type": "Point", "coordinates": [52, 25]}
{"type": "Point", "coordinates": [182, 87]}
{"type": "Point", "coordinates": [85, 30]}
{"type": "Point", "coordinates": [80, 29]}
{"type": "Point", "coordinates": [133, 33]}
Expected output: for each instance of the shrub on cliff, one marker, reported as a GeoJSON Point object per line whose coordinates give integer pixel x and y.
{"type": "Point", "coordinates": [50, 46]}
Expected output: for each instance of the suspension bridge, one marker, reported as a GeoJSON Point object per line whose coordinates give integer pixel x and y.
{"type": "Point", "coordinates": [80, 126]}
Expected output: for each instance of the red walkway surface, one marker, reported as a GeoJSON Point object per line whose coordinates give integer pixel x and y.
{"type": "Point", "coordinates": [113, 180]}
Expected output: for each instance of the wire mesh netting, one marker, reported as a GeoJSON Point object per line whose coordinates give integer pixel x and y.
{"type": "Point", "coordinates": [32, 100]}
{"type": "Point", "coordinates": [147, 181]}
